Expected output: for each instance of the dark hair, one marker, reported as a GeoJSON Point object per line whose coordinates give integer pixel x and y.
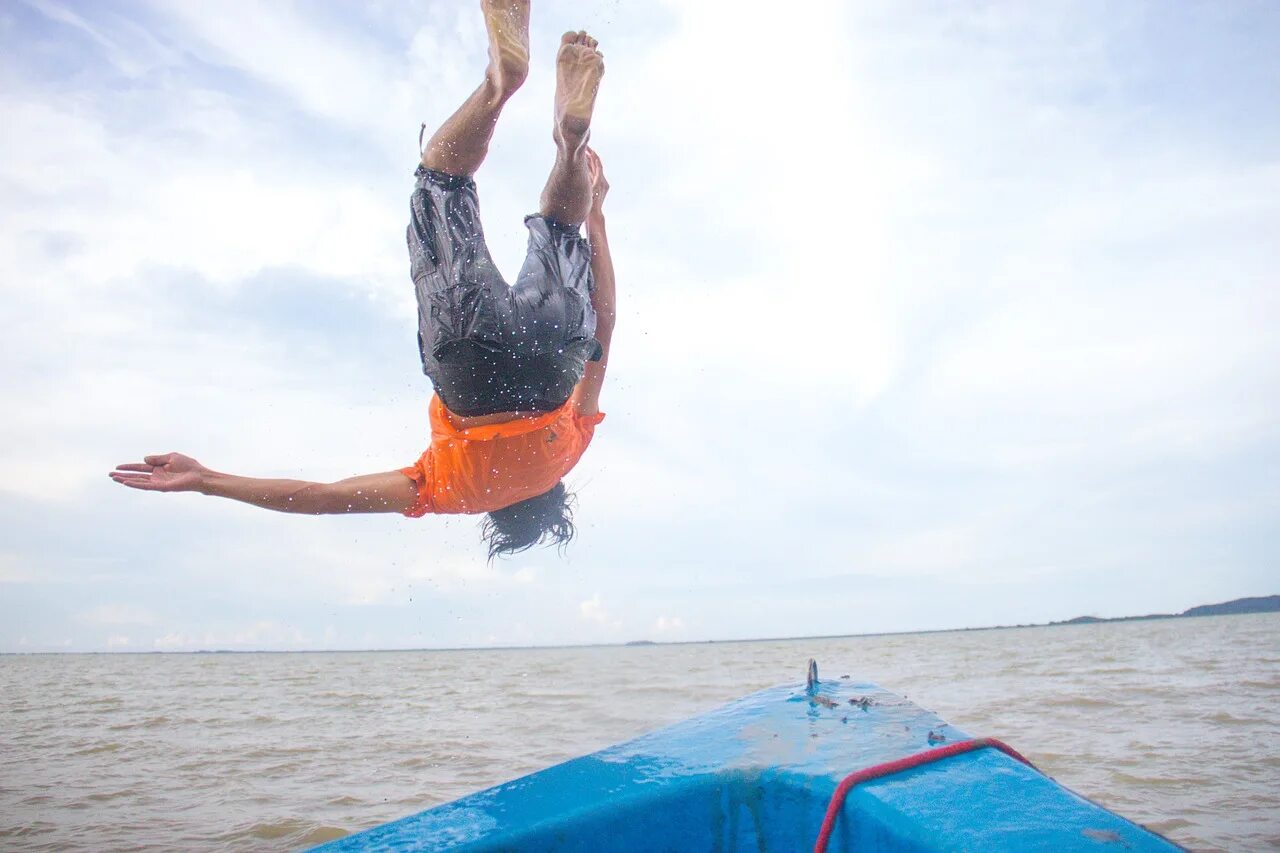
{"type": "Point", "coordinates": [519, 527]}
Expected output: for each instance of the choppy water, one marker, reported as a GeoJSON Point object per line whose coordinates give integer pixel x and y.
{"type": "Point", "coordinates": [1171, 723]}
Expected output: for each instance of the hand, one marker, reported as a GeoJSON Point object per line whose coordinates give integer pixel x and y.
{"type": "Point", "coordinates": [599, 183]}
{"type": "Point", "coordinates": [167, 472]}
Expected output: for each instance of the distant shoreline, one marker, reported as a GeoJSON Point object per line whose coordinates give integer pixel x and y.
{"type": "Point", "coordinates": [1235, 607]}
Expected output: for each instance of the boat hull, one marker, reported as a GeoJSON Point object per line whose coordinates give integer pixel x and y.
{"type": "Point", "coordinates": [758, 775]}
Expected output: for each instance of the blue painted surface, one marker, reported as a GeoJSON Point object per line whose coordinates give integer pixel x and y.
{"type": "Point", "coordinates": [756, 775]}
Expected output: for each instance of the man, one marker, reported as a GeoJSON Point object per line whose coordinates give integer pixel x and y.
{"type": "Point", "coordinates": [517, 370]}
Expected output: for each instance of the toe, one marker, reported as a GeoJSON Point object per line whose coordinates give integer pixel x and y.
{"type": "Point", "coordinates": [591, 43]}
{"type": "Point", "coordinates": [569, 38]}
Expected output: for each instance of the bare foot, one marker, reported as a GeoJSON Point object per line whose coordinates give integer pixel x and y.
{"type": "Point", "coordinates": [508, 24]}
{"type": "Point", "coordinates": [579, 67]}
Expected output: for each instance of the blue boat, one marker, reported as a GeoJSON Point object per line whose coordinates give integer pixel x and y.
{"type": "Point", "coordinates": [836, 765]}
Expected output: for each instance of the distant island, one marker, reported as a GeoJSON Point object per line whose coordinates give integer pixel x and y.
{"type": "Point", "coordinates": [1260, 604]}
{"type": "Point", "coordinates": [1236, 607]}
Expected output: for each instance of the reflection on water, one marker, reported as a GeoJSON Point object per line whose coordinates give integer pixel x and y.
{"type": "Point", "coordinates": [1171, 723]}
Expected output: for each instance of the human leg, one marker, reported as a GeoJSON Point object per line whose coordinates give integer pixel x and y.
{"type": "Point", "coordinates": [579, 67]}
{"type": "Point", "coordinates": [460, 145]}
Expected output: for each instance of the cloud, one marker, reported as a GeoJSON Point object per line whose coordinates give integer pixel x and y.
{"type": "Point", "coordinates": [124, 613]}
{"type": "Point", "coordinates": [668, 625]}
{"type": "Point", "coordinates": [13, 570]}
{"type": "Point", "coordinates": [177, 642]}
{"type": "Point", "coordinates": [263, 634]}
{"type": "Point", "coordinates": [593, 610]}
{"type": "Point", "coordinates": [341, 76]}
{"type": "Point", "coordinates": [526, 575]}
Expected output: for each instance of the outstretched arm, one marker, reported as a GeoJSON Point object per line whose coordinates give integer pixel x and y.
{"type": "Point", "coordinates": [390, 491]}
{"type": "Point", "coordinates": [586, 396]}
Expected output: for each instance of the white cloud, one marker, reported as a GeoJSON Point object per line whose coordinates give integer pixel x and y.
{"type": "Point", "coordinates": [526, 575]}
{"type": "Point", "coordinates": [174, 642]}
{"type": "Point", "coordinates": [130, 49]}
{"type": "Point", "coordinates": [15, 570]}
{"type": "Point", "coordinates": [261, 634]}
{"type": "Point", "coordinates": [120, 613]}
{"type": "Point", "coordinates": [944, 550]}
{"type": "Point", "coordinates": [204, 207]}
{"type": "Point", "coordinates": [796, 176]}
{"type": "Point", "coordinates": [593, 610]}
{"type": "Point", "coordinates": [340, 76]}
{"type": "Point", "coordinates": [668, 625]}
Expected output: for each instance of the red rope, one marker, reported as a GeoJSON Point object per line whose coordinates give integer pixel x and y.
{"type": "Point", "coordinates": [891, 767]}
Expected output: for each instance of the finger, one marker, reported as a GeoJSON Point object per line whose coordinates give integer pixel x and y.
{"type": "Point", "coordinates": [158, 459]}
{"type": "Point", "coordinates": [136, 482]}
{"type": "Point", "coordinates": [144, 485]}
{"type": "Point", "coordinates": [120, 478]}
{"type": "Point", "coordinates": [135, 466]}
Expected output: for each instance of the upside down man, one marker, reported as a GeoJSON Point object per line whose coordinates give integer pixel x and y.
{"type": "Point", "coordinates": [517, 369]}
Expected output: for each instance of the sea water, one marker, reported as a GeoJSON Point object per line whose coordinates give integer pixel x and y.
{"type": "Point", "coordinates": [1172, 723]}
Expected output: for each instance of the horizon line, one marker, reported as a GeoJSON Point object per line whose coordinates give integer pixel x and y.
{"type": "Point", "coordinates": [641, 643]}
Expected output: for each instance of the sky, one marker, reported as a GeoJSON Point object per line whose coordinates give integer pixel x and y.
{"type": "Point", "coordinates": [931, 315]}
